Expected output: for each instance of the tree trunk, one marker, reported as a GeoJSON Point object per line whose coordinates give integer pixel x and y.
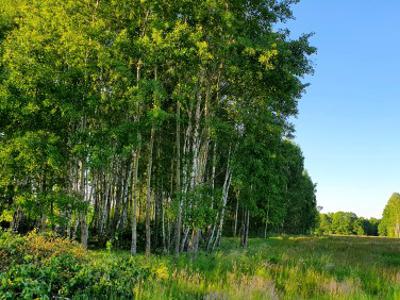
{"type": "Point", "coordinates": [236, 216]}
{"type": "Point", "coordinates": [163, 233]}
{"type": "Point", "coordinates": [125, 202]}
{"type": "Point", "coordinates": [245, 229]}
{"type": "Point", "coordinates": [178, 190]}
{"type": "Point", "coordinates": [15, 224]}
{"type": "Point", "coordinates": [136, 155]}
{"type": "Point", "coordinates": [135, 200]}
{"type": "Point", "coordinates": [148, 193]}
{"type": "Point", "coordinates": [267, 221]}
{"type": "Point", "coordinates": [149, 170]}
{"type": "Point", "coordinates": [83, 222]}
{"type": "Point", "coordinates": [225, 194]}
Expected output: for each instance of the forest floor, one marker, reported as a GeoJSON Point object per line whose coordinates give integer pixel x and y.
{"type": "Point", "coordinates": [332, 267]}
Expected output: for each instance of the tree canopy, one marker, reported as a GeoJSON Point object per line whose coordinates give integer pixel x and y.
{"type": "Point", "coordinates": [347, 223]}
{"type": "Point", "coordinates": [390, 224]}
{"type": "Point", "coordinates": [158, 124]}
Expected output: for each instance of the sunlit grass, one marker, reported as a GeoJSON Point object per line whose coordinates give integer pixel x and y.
{"type": "Point", "coordinates": [332, 267]}
{"type": "Point", "coordinates": [281, 268]}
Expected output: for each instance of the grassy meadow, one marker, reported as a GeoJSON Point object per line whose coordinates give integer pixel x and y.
{"type": "Point", "coordinates": [332, 267]}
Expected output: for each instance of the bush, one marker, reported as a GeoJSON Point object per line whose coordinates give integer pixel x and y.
{"type": "Point", "coordinates": [37, 266]}
{"type": "Point", "coordinates": [47, 266]}
{"type": "Point", "coordinates": [30, 281]}
{"type": "Point", "coordinates": [11, 249]}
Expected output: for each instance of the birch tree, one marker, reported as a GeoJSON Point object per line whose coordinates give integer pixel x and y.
{"type": "Point", "coordinates": [151, 125]}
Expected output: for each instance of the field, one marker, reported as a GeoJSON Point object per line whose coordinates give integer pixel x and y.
{"type": "Point", "coordinates": [333, 267]}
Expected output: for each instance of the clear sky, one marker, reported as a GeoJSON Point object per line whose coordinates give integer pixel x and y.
{"type": "Point", "coordinates": [349, 121]}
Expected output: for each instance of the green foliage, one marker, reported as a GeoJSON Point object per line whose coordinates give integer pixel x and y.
{"type": "Point", "coordinates": [287, 268]}
{"type": "Point", "coordinates": [101, 101]}
{"type": "Point", "coordinates": [108, 246]}
{"type": "Point", "coordinates": [346, 223]}
{"type": "Point", "coordinates": [201, 211]}
{"type": "Point", "coordinates": [370, 226]}
{"type": "Point", "coordinates": [325, 224]}
{"type": "Point", "coordinates": [300, 193]}
{"type": "Point", "coordinates": [45, 267]}
{"type": "Point", "coordinates": [390, 224]}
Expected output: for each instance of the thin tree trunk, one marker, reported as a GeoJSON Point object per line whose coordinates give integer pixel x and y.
{"type": "Point", "coordinates": [84, 226]}
{"type": "Point", "coordinates": [75, 229]}
{"type": "Point", "coordinates": [213, 170]}
{"type": "Point", "coordinates": [135, 200]}
{"type": "Point", "coordinates": [148, 195]}
{"type": "Point", "coordinates": [267, 221]}
{"type": "Point", "coordinates": [236, 216]}
{"type": "Point", "coordinates": [105, 206]}
{"type": "Point", "coordinates": [178, 225]}
{"type": "Point", "coordinates": [184, 239]}
{"type": "Point", "coordinates": [158, 214]}
{"type": "Point", "coordinates": [136, 155]}
{"type": "Point", "coordinates": [245, 228]}
{"type": "Point", "coordinates": [15, 224]}
{"type": "Point", "coordinates": [214, 227]}
{"type": "Point", "coordinates": [163, 236]}
{"type": "Point", "coordinates": [127, 188]}
{"type": "Point", "coordinates": [225, 189]}
{"type": "Point", "coordinates": [119, 200]}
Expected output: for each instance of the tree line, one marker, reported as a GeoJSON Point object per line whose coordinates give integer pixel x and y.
{"type": "Point", "coordinates": [157, 125]}
{"type": "Point", "coordinates": [347, 223]}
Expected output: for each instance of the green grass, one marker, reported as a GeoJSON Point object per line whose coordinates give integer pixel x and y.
{"type": "Point", "coordinates": [331, 267]}
{"type": "Point", "coordinates": [289, 268]}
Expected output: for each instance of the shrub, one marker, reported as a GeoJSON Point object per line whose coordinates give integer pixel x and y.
{"type": "Point", "coordinates": [47, 266]}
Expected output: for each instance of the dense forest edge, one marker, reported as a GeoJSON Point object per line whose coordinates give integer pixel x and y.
{"type": "Point", "coordinates": [156, 126]}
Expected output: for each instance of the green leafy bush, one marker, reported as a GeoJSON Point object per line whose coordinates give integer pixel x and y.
{"type": "Point", "coordinates": [45, 266]}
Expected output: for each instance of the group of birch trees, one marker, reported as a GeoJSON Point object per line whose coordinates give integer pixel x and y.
{"type": "Point", "coordinates": [157, 124]}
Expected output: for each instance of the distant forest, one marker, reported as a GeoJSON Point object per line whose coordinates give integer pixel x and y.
{"type": "Point", "coordinates": [347, 223]}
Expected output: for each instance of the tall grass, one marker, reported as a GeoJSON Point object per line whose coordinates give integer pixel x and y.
{"type": "Point", "coordinates": [277, 268]}
{"type": "Point", "coordinates": [291, 268]}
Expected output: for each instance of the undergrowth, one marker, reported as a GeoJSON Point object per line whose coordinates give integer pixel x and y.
{"type": "Point", "coordinates": [48, 267]}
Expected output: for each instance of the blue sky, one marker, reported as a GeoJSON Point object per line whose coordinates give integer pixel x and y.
{"type": "Point", "coordinates": [349, 125]}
